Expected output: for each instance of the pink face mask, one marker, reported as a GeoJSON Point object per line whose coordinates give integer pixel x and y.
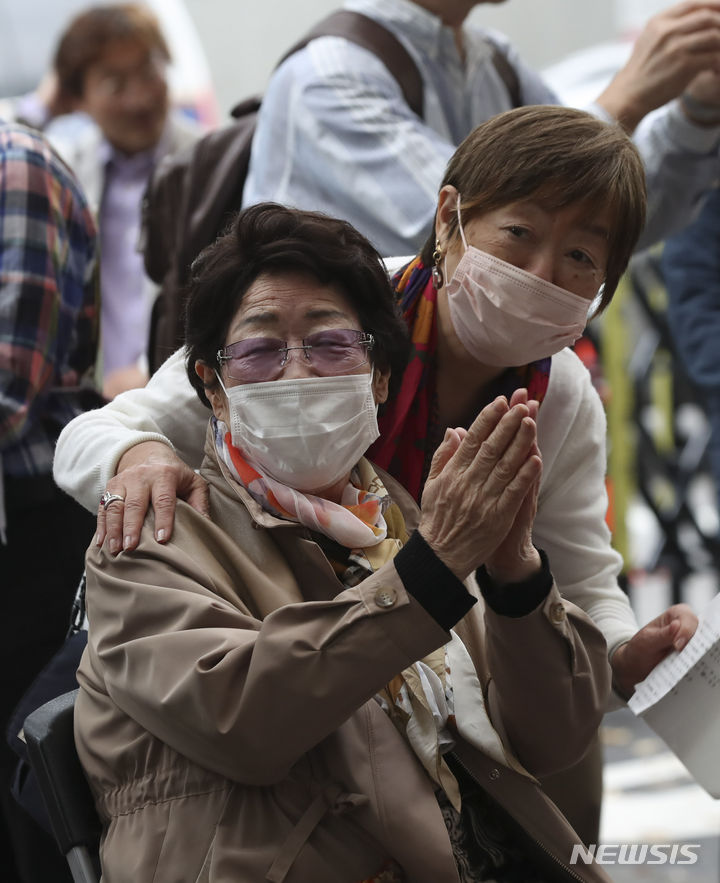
{"type": "Point", "coordinates": [505, 316]}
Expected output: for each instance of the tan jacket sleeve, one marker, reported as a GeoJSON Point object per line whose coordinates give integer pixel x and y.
{"type": "Point", "coordinates": [176, 650]}
{"type": "Point", "coordinates": [549, 682]}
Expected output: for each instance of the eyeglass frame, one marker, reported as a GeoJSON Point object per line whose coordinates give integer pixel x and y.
{"type": "Point", "coordinates": [152, 72]}
{"type": "Point", "coordinates": [365, 338]}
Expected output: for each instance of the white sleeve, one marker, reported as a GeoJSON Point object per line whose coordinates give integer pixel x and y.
{"type": "Point", "coordinates": [681, 165]}
{"type": "Point", "coordinates": [570, 524]}
{"type": "Point", "coordinates": [166, 410]}
{"type": "Point", "coordinates": [335, 134]}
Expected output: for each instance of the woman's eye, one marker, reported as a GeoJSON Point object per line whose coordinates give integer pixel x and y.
{"type": "Point", "coordinates": [582, 257]}
{"type": "Point", "coordinates": [517, 230]}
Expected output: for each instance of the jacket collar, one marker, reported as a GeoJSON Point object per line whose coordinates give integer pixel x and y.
{"type": "Point", "coordinates": [217, 474]}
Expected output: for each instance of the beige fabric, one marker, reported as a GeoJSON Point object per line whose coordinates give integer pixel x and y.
{"type": "Point", "coordinates": [227, 726]}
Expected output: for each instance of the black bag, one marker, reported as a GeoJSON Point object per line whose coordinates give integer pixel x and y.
{"type": "Point", "coordinates": [58, 677]}
{"type": "Point", "coordinates": [193, 194]}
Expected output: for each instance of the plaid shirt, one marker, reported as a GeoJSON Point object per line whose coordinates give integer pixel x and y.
{"type": "Point", "coordinates": [49, 301]}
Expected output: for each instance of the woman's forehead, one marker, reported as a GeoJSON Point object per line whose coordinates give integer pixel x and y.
{"type": "Point", "coordinates": [587, 216]}
{"type": "Point", "coordinates": [291, 289]}
{"type": "Point", "coordinates": [280, 299]}
{"type": "Point", "coordinates": [578, 200]}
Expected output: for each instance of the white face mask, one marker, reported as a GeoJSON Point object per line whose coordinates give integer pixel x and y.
{"type": "Point", "coordinates": [306, 433]}
{"type": "Point", "coordinates": [505, 316]}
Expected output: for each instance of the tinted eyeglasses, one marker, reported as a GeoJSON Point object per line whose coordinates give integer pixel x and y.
{"type": "Point", "coordinates": [332, 352]}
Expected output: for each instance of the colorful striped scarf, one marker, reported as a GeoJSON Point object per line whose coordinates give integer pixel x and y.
{"type": "Point", "coordinates": [409, 424]}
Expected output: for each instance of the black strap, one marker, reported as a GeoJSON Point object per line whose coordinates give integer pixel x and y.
{"type": "Point", "coordinates": [366, 32]}
{"type": "Point", "coordinates": [376, 38]}
{"type": "Point", "coordinates": [508, 75]}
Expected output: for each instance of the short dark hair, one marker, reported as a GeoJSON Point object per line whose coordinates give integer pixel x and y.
{"type": "Point", "coordinates": [88, 35]}
{"type": "Point", "coordinates": [271, 238]}
{"type": "Point", "coordinates": [558, 156]}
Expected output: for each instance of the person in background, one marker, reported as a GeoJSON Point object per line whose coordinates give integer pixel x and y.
{"type": "Point", "coordinates": [31, 29]}
{"type": "Point", "coordinates": [49, 317]}
{"type": "Point", "coordinates": [691, 270]}
{"type": "Point", "coordinates": [110, 65]}
{"type": "Point", "coordinates": [335, 134]}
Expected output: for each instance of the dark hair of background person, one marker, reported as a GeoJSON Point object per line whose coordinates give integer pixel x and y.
{"type": "Point", "coordinates": [87, 36]}
{"type": "Point", "coordinates": [270, 238]}
{"type": "Point", "coordinates": [556, 156]}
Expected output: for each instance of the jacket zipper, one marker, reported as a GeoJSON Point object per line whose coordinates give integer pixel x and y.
{"type": "Point", "coordinates": [543, 848]}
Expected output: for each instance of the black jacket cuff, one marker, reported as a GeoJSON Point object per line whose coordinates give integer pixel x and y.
{"type": "Point", "coordinates": [516, 599]}
{"type": "Point", "coordinates": [432, 583]}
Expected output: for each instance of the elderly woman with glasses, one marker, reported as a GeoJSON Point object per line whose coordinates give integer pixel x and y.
{"type": "Point", "coordinates": [301, 685]}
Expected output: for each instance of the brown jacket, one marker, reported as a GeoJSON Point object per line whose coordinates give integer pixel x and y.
{"type": "Point", "coordinates": [226, 719]}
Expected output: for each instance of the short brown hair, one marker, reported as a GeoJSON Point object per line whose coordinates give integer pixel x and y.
{"type": "Point", "coordinates": [88, 35]}
{"type": "Point", "coordinates": [558, 156]}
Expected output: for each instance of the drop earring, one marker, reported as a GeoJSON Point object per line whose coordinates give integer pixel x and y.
{"type": "Point", "coordinates": [437, 274]}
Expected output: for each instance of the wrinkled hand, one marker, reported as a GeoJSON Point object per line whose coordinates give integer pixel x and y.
{"type": "Point", "coordinates": [477, 483]}
{"type": "Point", "coordinates": [148, 473]}
{"type": "Point", "coordinates": [633, 661]}
{"type": "Point", "coordinates": [674, 47]}
{"type": "Point", "coordinates": [516, 558]}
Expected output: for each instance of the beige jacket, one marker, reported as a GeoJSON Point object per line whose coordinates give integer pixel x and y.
{"type": "Point", "coordinates": [226, 718]}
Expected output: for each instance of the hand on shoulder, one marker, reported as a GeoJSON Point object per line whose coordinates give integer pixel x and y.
{"type": "Point", "coordinates": [149, 473]}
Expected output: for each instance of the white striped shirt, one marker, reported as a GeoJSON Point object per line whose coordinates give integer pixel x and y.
{"type": "Point", "coordinates": [336, 135]}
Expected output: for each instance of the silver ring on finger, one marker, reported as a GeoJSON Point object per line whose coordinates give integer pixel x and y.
{"type": "Point", "coordinates": [108, 498]}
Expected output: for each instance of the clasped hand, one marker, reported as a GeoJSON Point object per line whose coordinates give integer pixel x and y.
{"type": "Point", "coordinates": [480, 497]}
